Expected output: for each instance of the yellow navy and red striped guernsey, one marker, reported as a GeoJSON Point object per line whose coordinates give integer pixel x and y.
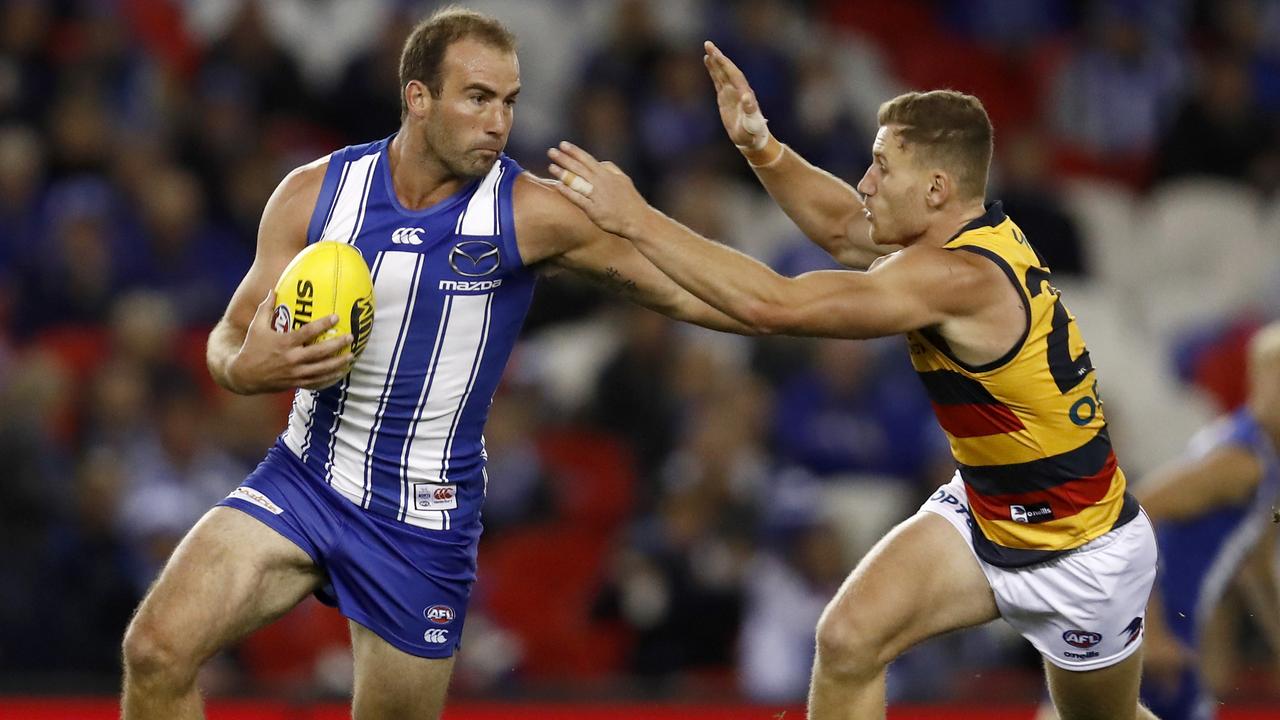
{"type": "Point", "coordinates": [1027, 431]}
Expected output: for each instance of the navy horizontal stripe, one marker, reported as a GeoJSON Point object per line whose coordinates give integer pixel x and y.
{"type": "Point", "coordinates": [946, 387]}
{"type": "Point", "coordinates": [1041, 474]}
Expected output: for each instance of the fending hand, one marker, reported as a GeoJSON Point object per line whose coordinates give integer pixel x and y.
{"type": "Point", "coordinates": [739, 109]}
{"type": "Point", "coordinates": [601, 189]}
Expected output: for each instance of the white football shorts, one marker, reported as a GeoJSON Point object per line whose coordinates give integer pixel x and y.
{"type": "Point", "coordinates": [1083, 610]}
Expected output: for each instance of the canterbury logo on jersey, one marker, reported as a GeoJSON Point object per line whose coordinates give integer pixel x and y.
{"type": "Point", "coordinates": [407, 236]}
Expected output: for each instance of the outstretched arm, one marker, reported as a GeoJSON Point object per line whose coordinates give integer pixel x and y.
{"type": "Point", "coordinates": [824, 207]}
{"type": "Point", "coordinates": [553, 233]}
{"type": "Point", "coordinates": [915, 288]}
{"type": "Point", "coordinates": [1190, 488]}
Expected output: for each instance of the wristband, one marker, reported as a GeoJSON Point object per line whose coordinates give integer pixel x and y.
{"type": "Point", "coordinates": [767, 155]}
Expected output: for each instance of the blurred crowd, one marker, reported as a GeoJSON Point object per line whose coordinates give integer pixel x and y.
{"type": "Point", "coordinates": [670, 508]}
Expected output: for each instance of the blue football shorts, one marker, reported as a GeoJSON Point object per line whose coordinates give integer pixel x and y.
{"type": "Point", "coordinates": [408, 585]}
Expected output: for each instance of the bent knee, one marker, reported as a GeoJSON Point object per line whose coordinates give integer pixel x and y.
{"type": "Point", "coordinates": [152, 651]}
{"type": "Point", "coordinates": [848, 646]}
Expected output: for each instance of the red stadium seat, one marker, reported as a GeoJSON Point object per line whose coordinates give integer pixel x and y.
{"type": "Point", "coordinates": [540, 583]}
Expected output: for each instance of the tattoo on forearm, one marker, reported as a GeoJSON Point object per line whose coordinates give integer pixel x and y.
{"type": "Point", "coordinates": [614, 280]}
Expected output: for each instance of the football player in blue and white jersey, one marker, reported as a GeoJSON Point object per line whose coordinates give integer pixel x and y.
{"type": "Point", "coordinates": [371, 497]}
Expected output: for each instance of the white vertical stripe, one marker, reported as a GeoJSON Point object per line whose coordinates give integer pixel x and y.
{"type": "Point", "coordinates": [397, 352]}
{"type": "Point", "coordinates": [364, 201]}
{"type": "Point", "coordinates": [442, 323]}
{"type": "Point", "coordinates": [395, 272]}
{"type": "Point", "coordinates": [471, 382]}
{"type": "Point", "coordinates": [480, 217]}
{"type": "Point", "coordinates": [342, 400]}
{"type": "Point", "coordinates": [346, 167]}
{"type": "Point", "coordinates": [296, 432]}
{"type": "Point", "coordinates": [348, 206]}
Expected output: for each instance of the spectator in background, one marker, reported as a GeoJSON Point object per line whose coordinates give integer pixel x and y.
{"type": "Point", "coordinates": [675, 121]}
{"type": "Point", "coordinates": [626, 59]}
{"type": "Point", "coordinates": [787, 585]}
{"type": "Point", "coordinates": [176, 473]}
{"type": "Point", "coordinates": [635, 393]}
{"type": "Point", "coordinates": [25, 60]}
{"type": "Point", "coordinates": [825, 126]}
{"type": "Point", "coordinates": [1219, 131]}
{"type": "Point", "coordinates": [1028, 194]}
{"type": "Point", "coordinates": [852, 410]}
{"type": "Point", "coordinates": [1251, 30]}
{"type": "Point", "coordinates": [74, 273]}
{"type": "Point", "coordinates": [34, 392]}
{"type": "Point", "coordinates": [21, 182]}
{"type": "Point", "coordinates": [86, 596]}
{"type": "Point", "coordinates": [180, 252]}
{"type": "Point", "coordinates": [1115, 93]}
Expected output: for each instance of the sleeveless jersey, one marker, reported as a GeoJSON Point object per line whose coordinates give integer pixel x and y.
{"type": "Point", "coordinates": [1027, 430]}
{"type": "Point", "coordinates": [1210, 547]}
{"type": "Point", "coordinates": [401, 435]}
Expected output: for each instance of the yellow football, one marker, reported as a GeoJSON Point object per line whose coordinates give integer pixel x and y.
{"type": "Point", "coordinates": [327, 278]}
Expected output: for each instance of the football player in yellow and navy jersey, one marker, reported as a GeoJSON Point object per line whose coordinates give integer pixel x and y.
{"type": "Point", "coordinates": [1037, 526]}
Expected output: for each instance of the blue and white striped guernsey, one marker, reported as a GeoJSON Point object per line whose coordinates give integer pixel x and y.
{"type": "Point", "coordinates": [402, 434]}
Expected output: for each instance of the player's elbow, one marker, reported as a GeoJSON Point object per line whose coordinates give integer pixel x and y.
{"type": "Point", "coordinates": [763, 317]}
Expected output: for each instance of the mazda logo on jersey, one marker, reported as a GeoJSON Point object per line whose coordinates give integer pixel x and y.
{"type": "Point", "coordinates": [474, 258]}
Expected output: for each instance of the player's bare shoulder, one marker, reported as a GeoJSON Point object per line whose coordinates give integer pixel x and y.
{"type": "Point", "coordinates": [291, 204]}
{"type": "Point", "coordinates": [547, 224]}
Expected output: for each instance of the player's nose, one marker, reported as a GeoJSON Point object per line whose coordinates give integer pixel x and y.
{"type": "Point", "coordinates": [498, 123]}
{"type": "Point", "coordinates": [866, 186]}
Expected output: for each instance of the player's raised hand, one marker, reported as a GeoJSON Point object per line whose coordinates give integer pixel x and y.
{"type": "Point", "coordinates": [739, 109]}
{"type": "Point", "coordinates": [602, 190]}
{"type": "Point", "coordinates": [270, 361]}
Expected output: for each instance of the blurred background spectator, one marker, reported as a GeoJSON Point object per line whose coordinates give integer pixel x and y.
{"type": "Point", "coordinates": [669, 510]}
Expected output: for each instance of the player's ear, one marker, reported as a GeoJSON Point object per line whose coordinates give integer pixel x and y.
{"type": "Point", "coordinates": [939, 190]}
{"type": "Point", "coordinates": [417, 97]}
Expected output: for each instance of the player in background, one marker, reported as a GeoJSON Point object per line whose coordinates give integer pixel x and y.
{"type": "Point", "coordinates": [371, 497]}
{"type": "Point", "coordinates": [1037, 527]}
{"type": "Point", "coordinates": [1212, 511]}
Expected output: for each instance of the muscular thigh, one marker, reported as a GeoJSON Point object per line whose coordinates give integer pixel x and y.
{"type": "Point", "coordinates": [919, 581]}
{"type": "Point", "coordinates": [394, 685]}
{"type": "Point", "coordinates": [1107, 694]}
{"type": "Point", "coordinates": [230, 575]}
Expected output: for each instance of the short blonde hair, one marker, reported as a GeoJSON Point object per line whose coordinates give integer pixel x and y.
{"type": "Point", "coordinates": [949, 128]}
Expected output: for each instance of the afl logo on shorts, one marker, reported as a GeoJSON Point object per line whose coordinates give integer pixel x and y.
{"type": "Point", "coordinates": [1081, 638]}
{"type": "Point", "coordinates": [440, 614]}
{"type": "Point", "coordinates": [474, 258]}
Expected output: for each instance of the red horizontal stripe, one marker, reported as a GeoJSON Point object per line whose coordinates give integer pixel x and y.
{"type": "Point", "coordinates": [1065, 500]}
{"type": "Point", "coordinates": [973, 420]}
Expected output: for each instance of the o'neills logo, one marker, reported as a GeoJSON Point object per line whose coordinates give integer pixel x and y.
{"type": "Point", "coordinates": [1037, 513]}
